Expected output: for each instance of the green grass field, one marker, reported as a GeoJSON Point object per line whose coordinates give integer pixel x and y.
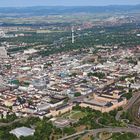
{"type": "Point", "coordinates": [76, 115]}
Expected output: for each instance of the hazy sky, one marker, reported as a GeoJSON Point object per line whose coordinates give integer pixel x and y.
{"type": "Point", "coordinates": [11, 3]}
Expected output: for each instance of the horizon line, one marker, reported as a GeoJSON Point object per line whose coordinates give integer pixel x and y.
{"type": "Point", "coordinates": [70, 5]}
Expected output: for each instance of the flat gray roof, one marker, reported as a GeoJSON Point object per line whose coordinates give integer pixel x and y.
{"type": "Point", "coordinates": [22, 131]}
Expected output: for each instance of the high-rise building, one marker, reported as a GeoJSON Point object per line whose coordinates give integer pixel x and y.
{"type": "Point", "coordinates": [3, 53]}
{"type": "Point", "coordinates": [2, 34]}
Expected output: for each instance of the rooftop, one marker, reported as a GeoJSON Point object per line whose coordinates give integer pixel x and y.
{"type": "Point", "coordinates": [22, 131]}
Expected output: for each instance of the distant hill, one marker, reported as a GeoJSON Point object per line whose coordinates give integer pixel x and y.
{"type": "Point", "coordinates": [55, 10]}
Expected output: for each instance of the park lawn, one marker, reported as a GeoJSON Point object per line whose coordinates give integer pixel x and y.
{"type": "Point", "coordinates": [77, 115]}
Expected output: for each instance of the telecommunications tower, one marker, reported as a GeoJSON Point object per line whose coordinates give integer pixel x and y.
{"type": "Point", "coordinates": [72, 33]}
